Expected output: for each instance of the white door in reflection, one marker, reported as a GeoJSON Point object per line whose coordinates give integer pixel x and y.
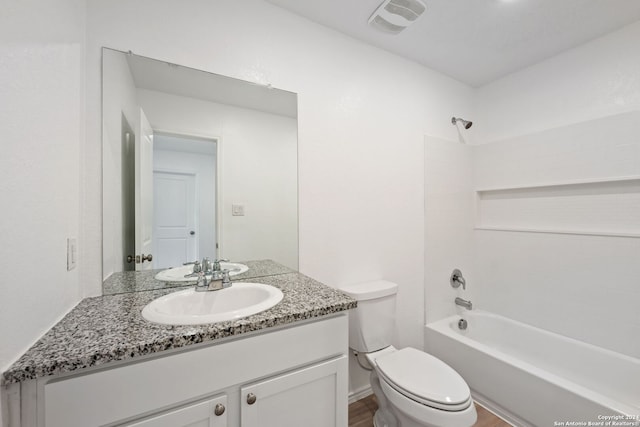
{"type": "Point", "coordinates": [143, 195]}
{"type": "Point", "coordinates": [185, 217]}
{"type": "Point", "coordinates": [175, 224]}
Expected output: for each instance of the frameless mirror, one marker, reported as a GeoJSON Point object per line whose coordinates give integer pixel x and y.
{"type": "Point", "coordinates": [194, 165]}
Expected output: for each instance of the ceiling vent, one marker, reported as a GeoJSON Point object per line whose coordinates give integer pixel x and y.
{"type": "Point", "coordinates": [393, 16]}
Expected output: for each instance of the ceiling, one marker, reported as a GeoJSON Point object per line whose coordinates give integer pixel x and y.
{"type": "Point", "coordinates": [178, 80]}
{"type": "Point", "coordinates": [477, 41]}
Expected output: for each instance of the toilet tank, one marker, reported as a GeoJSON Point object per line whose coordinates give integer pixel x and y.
{"type": "Point", "coordinates": [371, 323]}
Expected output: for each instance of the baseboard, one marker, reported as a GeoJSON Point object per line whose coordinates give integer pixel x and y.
{"type": "Point", "coordinates": [360, 394]}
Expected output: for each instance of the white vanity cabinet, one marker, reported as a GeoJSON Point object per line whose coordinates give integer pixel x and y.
{"type": "Point", "coordinates": [306, 397]}
{"type": "Point", "coordinates": [297, 375]}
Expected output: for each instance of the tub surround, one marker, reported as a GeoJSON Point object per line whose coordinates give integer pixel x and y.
{"type": "Point", "coordinates": [111, 328]}
{"type": "Point", "coordinates": [134, 281]}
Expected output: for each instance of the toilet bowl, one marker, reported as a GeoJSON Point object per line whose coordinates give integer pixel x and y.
{"type": "Point", "coordinates": [420, 390]}
{"type": "Point", "coordinates": [413, 388]}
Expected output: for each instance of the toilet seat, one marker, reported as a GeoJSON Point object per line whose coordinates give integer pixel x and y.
{"type": "Point", "coordinates": [426, 415]}
{"type": "Point", "coordinates": [424, 379]}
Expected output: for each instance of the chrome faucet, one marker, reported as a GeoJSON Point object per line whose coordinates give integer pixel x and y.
{"type": "Point", "coordinates": [207, 265]}
{"type": "Point", "coordinates": [464, 303]}
{"type": "Point", "coordinates": [219, 280]}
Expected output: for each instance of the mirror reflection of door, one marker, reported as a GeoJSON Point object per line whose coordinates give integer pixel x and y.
{"type": "Point", "coordinates": [174, 219]}
{"type": "Point", "coordinates": [144, 193]}
{"type": "Point", "coordinates": [128, 159]}
{"type": "Point", "coordinates": [184, 219]}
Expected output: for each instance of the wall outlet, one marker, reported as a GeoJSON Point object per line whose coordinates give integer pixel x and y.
{"type": "Point", "coordinates": [72, 253]}
{"type": "Point", "coordinates": [237, 210]}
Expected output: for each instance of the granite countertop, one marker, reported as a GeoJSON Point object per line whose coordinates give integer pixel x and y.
{"type": "Point", "coordinates": [110, 328]}
{"type": "Point", "coordinates": [135, 281]}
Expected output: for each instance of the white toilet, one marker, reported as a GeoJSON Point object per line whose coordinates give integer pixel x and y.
{"type": "Point", "coordinates": [413, 388]}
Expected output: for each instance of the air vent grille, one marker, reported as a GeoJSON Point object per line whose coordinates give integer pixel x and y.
{"type": "Point", "coordinates": [393, 16]}
{"type": "Point", "coordinates": [382, 24]}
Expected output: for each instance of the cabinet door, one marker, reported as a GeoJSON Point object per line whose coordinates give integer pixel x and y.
{"type": "Point", "coordinates": [201, 414]}
{"type": "Point", "coordinates": [315, 396]}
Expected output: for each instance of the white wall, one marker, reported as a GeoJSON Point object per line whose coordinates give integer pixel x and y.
{"type": "Point", "coordinates": [41, 87]}
{"type": "Point", "coordinates": [362, 116]}
{"type": "Point", "coordinates": [597, 79]}
{"type": "Point", "coordinates": [258, 168]}
{"type": "Point", "coordinates": [41, 122]}
{"type": "Point", "coordinates": [449, 217]}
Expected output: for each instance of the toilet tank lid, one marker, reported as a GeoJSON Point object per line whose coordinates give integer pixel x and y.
{"type": "Point", "coordinates": [370, 290]}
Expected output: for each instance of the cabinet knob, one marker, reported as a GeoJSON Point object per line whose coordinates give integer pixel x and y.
{"type": "Point", "coordinates": [251, 398]}
{"type": "Point", "coordinates": [219, 409]}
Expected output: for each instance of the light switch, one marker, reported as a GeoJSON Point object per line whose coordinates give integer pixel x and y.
{"type": "Point", "coordinates": [72, 253]}
{"type": "Point", "coordinates": [237, 210]}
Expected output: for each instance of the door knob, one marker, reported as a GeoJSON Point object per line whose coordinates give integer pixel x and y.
{"type": "Point", "coordinates": [251, 398]}
{"type": "Point", "coordinates": [147, 258]}
{"type": "Point", "coordinates": [130, 258]}
{"type": "Point", "coordinates": [192, 233]}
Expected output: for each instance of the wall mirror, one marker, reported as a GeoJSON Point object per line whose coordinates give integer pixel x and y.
{"type": "Point", "coordinates": [194, 165]}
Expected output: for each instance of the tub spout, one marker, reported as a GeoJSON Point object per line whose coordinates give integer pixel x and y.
{"type": "Point", "coordinates": [464, 303]}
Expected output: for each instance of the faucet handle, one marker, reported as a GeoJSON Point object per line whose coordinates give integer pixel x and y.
{"type": "Point", "coordinates": [197, 267]}
{"type": "Point", "coordinates": [202, 284]}
{"type": "Point", "coordinates": [456, 279]}
{"type": "Point", "coordinates": [226, 279]}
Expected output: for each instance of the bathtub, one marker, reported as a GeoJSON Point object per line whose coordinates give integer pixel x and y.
{"type": "Point", "coordinates": [531, 377]}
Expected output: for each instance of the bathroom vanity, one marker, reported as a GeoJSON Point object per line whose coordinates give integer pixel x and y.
{"type": "Point", "coordinates": [104, 365]}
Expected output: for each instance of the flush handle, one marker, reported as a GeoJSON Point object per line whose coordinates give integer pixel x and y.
{"type": "Point", "coordinates": [251, 398]}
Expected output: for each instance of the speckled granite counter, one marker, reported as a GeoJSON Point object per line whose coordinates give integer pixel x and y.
{"type": "Point", "coordinates": [135, 281]}
{"type": "Point", "coordinates": [104, 329]}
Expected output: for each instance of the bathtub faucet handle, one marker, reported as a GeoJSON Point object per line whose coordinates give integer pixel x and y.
{"type": "Point", "coordinates": [456, 280]}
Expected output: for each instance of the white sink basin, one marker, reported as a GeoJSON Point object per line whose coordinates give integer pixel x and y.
{"type": "Point", "coordinates": [176, 274]}
{"type": "Point", "coordinates": [194, 308]}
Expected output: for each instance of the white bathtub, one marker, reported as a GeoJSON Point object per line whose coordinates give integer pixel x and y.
{"type": "Point", "coordinates": [532, 377]}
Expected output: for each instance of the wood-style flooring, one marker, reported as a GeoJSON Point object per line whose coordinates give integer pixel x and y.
{"type": "Point", "coordinates": [361, 414]}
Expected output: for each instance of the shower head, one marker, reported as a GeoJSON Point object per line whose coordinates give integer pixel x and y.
{"type": "Point", "coordinates": [466, 123]}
